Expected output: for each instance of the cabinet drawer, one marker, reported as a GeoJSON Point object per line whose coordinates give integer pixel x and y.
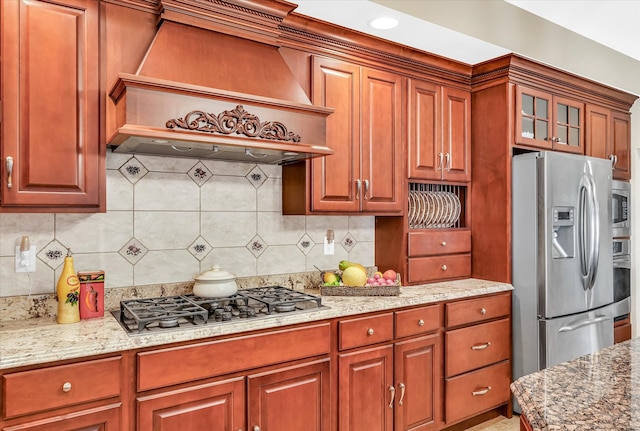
{"type": "Point", "coordinates": [418, 321]}
{"type": "Point", "coordinates": [475, 392]}
{"type": "Point", "coordinates": [478, 309]}
{"type": "Point", "coordinates": [477, 346]}
{"type": "Point", "coordinates": [439, 242]}
{"type": "Point", "coordinates": [439, 267]}
{"type": "Point", "coordinates": [364, 331]}
{"type": "Point", "coordinates": [38, 390]}
{"type": "Point", "coordinates": [182, 364]}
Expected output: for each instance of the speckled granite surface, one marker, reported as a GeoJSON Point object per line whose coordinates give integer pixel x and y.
{"type": "Point", "coordinates": [41, 340]}
{"type": "Point", "coordinates": [597, 392]}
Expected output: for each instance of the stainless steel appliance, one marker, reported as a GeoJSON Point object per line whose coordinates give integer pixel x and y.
{"type": "Point", "coordinates": [621, 278]}
{"type": "Point", "coordinates": [562, 259]}
{"type": "Point", "coordinates": [143, 316]}
{"type": "Point", "coordinates": [621, 208]}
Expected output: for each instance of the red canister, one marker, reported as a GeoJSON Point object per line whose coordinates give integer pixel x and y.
{"type": "Point", "coordinates": [91, 294]}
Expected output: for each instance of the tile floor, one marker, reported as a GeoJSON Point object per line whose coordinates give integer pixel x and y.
{"type": "Point", "coordinates": [499, 424]}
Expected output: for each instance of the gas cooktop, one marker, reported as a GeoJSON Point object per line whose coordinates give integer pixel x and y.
{"type": "Point", "coordinates": [140, 316]}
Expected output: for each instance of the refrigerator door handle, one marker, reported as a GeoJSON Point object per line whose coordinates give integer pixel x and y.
{"type": "Point", "coordinates": [594, 232]}
{"type": "Point", "coordinates": [582, 232]}
{"type": "Point", "coordinates": [589, 233]}
{"type": "Point", "coordinates": [584, 323]}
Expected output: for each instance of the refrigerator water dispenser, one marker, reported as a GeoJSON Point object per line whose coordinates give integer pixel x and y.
{"type": "Point", "coordinates": [563, 233]}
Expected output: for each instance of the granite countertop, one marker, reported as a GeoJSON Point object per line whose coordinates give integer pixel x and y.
{"type": "Point", "coordinates": [41, 340]}
{"type": "Point", "coordinates": [597, 392]}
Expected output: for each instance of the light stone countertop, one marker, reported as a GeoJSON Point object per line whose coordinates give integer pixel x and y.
{"type": "Point", "coordinates": [42, 340]}
{"type": "Point", "coordinates": [596, 392]}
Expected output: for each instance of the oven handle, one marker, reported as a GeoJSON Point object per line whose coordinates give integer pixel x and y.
{"type": "Point", "coordinates": [622, 263]}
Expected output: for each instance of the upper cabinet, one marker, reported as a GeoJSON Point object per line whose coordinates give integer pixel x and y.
{"type": "Point", "coordinates": [364, 175]}
{"type": "Point", "coordinates": [548, 121]}
{"type": "Point", "coordinates": [439, 132]}
{"type": "Point", "coordinates": [608, 135]}
{"type": "Point", "coordinates": [51, 154]}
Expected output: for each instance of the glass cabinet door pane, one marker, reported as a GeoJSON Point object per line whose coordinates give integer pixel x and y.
{"type": "Point", "coordinates": [527, 127]}
{"type": "Point", "coordinates": [562, 134]}
{"type": "Point", "coordinates": [541, 130]}
{"type": "Point", "coordinates": [574, 137]}
{"type": "Point", "coordinates": [542, 108]}
{"type": "Point", "coordinates": [527, 104]}
{"type": "Point", "coordinates": [562, 113]}
{"type": "Point", "coordinates": [574, 116]}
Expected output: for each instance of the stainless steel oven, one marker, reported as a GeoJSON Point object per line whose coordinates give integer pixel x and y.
{"type": "Point", "coordinates": [621, 277]}
{"type": "Point", "coordinates": [621, 208]}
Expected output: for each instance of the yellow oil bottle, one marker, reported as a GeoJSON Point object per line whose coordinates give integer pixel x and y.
{"type": "Point", "coordinates": [68, 292]}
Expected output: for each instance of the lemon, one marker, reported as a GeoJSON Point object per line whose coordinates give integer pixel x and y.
{"type": "Point", "coordinates": [354, 276]}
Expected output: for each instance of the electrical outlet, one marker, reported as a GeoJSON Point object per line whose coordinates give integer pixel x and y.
{"type": "Point", "coordinates": [328, 246]}
{"type": "Point", "coordinates": [26, 260]}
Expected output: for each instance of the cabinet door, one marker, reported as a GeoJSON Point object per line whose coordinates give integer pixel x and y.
{"type": "Point", "coordinates": [217, 405]}
{"type": "Point", "coordinates": [456, 141]}
{"type": "Point", "coordinates": [365, 390]}
{"type": "Point", "coordinates": [598, 131]}
{"type": "Point", "coordinates": [533, 118]}
{"type": "Point", "coordinates": [106, 418]}
{"type": "Point", "coordinates": [621, 145]}
{"type": "Point", "coordinates": [425, 132]}
{"type": "Point", "coordinates": [293, 398]}
{"type": "Point", "coordinates": [568, 134]}
{"type": "Point", "coordinates": [50, 97]}
{"type": "Point", "coordinates": [336, 84]}
{"type": "Point", "coordinates": [381, 142]}
{"type": "Point", "coordinates": [418, 378]}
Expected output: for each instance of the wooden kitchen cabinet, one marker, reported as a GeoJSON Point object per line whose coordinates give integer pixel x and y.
{"type": "Point", "coordinates": [51, 153]}
{"type": "Point", "coordinates": [439, 124]}
{"type": "Point", "coordinates": [548, 121]}
{"type": "Point", "coordinates": [608, 136]}
{"type": "Point", "coordinates": [394, 386]}
{"type": "Point", "coordinates": [364, 175]}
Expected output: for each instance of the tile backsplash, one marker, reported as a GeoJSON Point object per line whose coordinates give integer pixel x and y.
{"type": "Point", "coordinates": [168, 219]}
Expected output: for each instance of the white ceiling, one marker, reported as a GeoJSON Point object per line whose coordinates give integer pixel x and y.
{"type": "Point", "coordinates": [613, 23]}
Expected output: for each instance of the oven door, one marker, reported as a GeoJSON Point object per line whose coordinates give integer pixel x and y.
{"type": "Point", "coordinates": [621, 278]}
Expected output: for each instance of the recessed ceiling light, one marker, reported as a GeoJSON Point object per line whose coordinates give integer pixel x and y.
{"type": "Point", "coordinates": [384, 23]}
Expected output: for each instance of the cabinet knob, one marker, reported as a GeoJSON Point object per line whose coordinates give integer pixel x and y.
{"type": "Point", "coordinates": [483, 311]}
{"type": "Point", "coordinates": [443, 267]}
{"type": "Point", "coordinates": [256, 428]}
{"type": "Point", "coordinates": [370, 331]}
{"type": "Point", "coordinates": [420, 322]}
{"type": "Point", "coordinates": [66, 387]}
{"type": "Point", "coordinates": [443, 243]}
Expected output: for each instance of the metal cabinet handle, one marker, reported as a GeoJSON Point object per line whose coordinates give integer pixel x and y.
{"type": "Point", "coordinates": [358, 188]}
{"type": "Point", "coordinates": [483, 311]}
{"type": "Point", "coordinates": [9, 163]}
{"type": "Point", "coordinates": [366, 189]}
{"type": "Point", "coordinates": [481, 392]}
{"type": "Point", "coordinates": [370, 331]}
{"type": "Point", "coordinates": [448, 165]}
{"type": "Point", "coordinates": [66, 387]}
{"type": "Point", "coordinates": [443, 267]}
{"type": "Point", "coordinates": [441, 164]}
{"type": "Point", "coordinates": [402, 388]}
{"type": "Point", "coordinates": [614, 160]}
{"type": "Point", "coordinates": [256, 428]}
{"type": "Point", "coordinates": [481, 346]}
{"type": "Point", "coordinates": [443, 243]}
{"type": "Point", "coordinates": [393, 396]}
{"type": "Point", "coordinates": [420, 322]}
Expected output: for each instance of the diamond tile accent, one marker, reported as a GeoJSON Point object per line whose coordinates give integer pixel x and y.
{"type": "Point", "coordinates": [257, 246]}
{"type": "Point", "coordinates": [200, 174]}
{"type": "Point", "coordinates": [305, 244]}
{"type": "Point", "coordinates": [133, 170]}
{"type": "Point", "coordinates": [348, 242]}
{"type": "Point", "coordinates": [53, 254]}
{"type": "Point", "coordinates": [200, 248]}
{"type": "Point", "coordinates": [133, 251]}
{"type": "Point", "coordinates": [256, 177]}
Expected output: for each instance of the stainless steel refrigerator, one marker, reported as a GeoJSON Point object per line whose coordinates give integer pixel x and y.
{"type": "Point", "coordinates": [562, 259]}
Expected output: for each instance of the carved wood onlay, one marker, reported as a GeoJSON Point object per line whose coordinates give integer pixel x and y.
{"type": "Point", "coordinates": [236, 121]}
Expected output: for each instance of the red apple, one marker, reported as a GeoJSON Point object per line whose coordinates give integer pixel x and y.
{"type": "Point", "coordinates": [389, 274]}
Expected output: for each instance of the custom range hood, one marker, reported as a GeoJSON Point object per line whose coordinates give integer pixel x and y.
{"type": "Point", "coordinates": [204, 94]}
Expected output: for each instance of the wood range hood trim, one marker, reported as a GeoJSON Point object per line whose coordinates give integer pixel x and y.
{"type": "Point", "coordinates": [203, 94]}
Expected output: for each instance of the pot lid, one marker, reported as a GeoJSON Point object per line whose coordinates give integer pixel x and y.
{"type": "Point", "coordinates": [215, 274]}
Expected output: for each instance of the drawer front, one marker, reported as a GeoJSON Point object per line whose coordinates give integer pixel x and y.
{"type": "Point", "coordinates": [478, 309]}
{"type": "Point", "coordinates": [475, 392]}
{"type": "Point", "coordinates": [477, 346]}
{"type": "Point", "coordinates": [38, 390]}
{"type": "Point", "coordinates": [365, 331]}
{"type": "Point", "coordinates": [423, 269]}
{"type": "Point", "coordinates": [439, 242]}
{"type": "Point", "coordinates": [182, 364]}
{"type": "Point", "coordinates": [418, 321]}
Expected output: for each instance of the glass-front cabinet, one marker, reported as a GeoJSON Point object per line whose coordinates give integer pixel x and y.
{"type": "Point", "coordinates": [547, 121]}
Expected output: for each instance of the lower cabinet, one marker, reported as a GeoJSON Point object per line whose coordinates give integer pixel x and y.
{"type": "Point", "coordinates": [104, 418]}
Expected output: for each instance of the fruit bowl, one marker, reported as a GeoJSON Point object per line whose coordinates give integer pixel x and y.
{"type": "Point", "coordinates": [367, 290]}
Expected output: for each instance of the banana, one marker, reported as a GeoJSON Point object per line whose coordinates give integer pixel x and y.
{"type": "Point", "coordinates": [344, 264]}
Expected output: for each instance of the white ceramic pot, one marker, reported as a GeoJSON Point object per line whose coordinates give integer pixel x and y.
{"type": "Point", "coordinates": [215, 283]}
